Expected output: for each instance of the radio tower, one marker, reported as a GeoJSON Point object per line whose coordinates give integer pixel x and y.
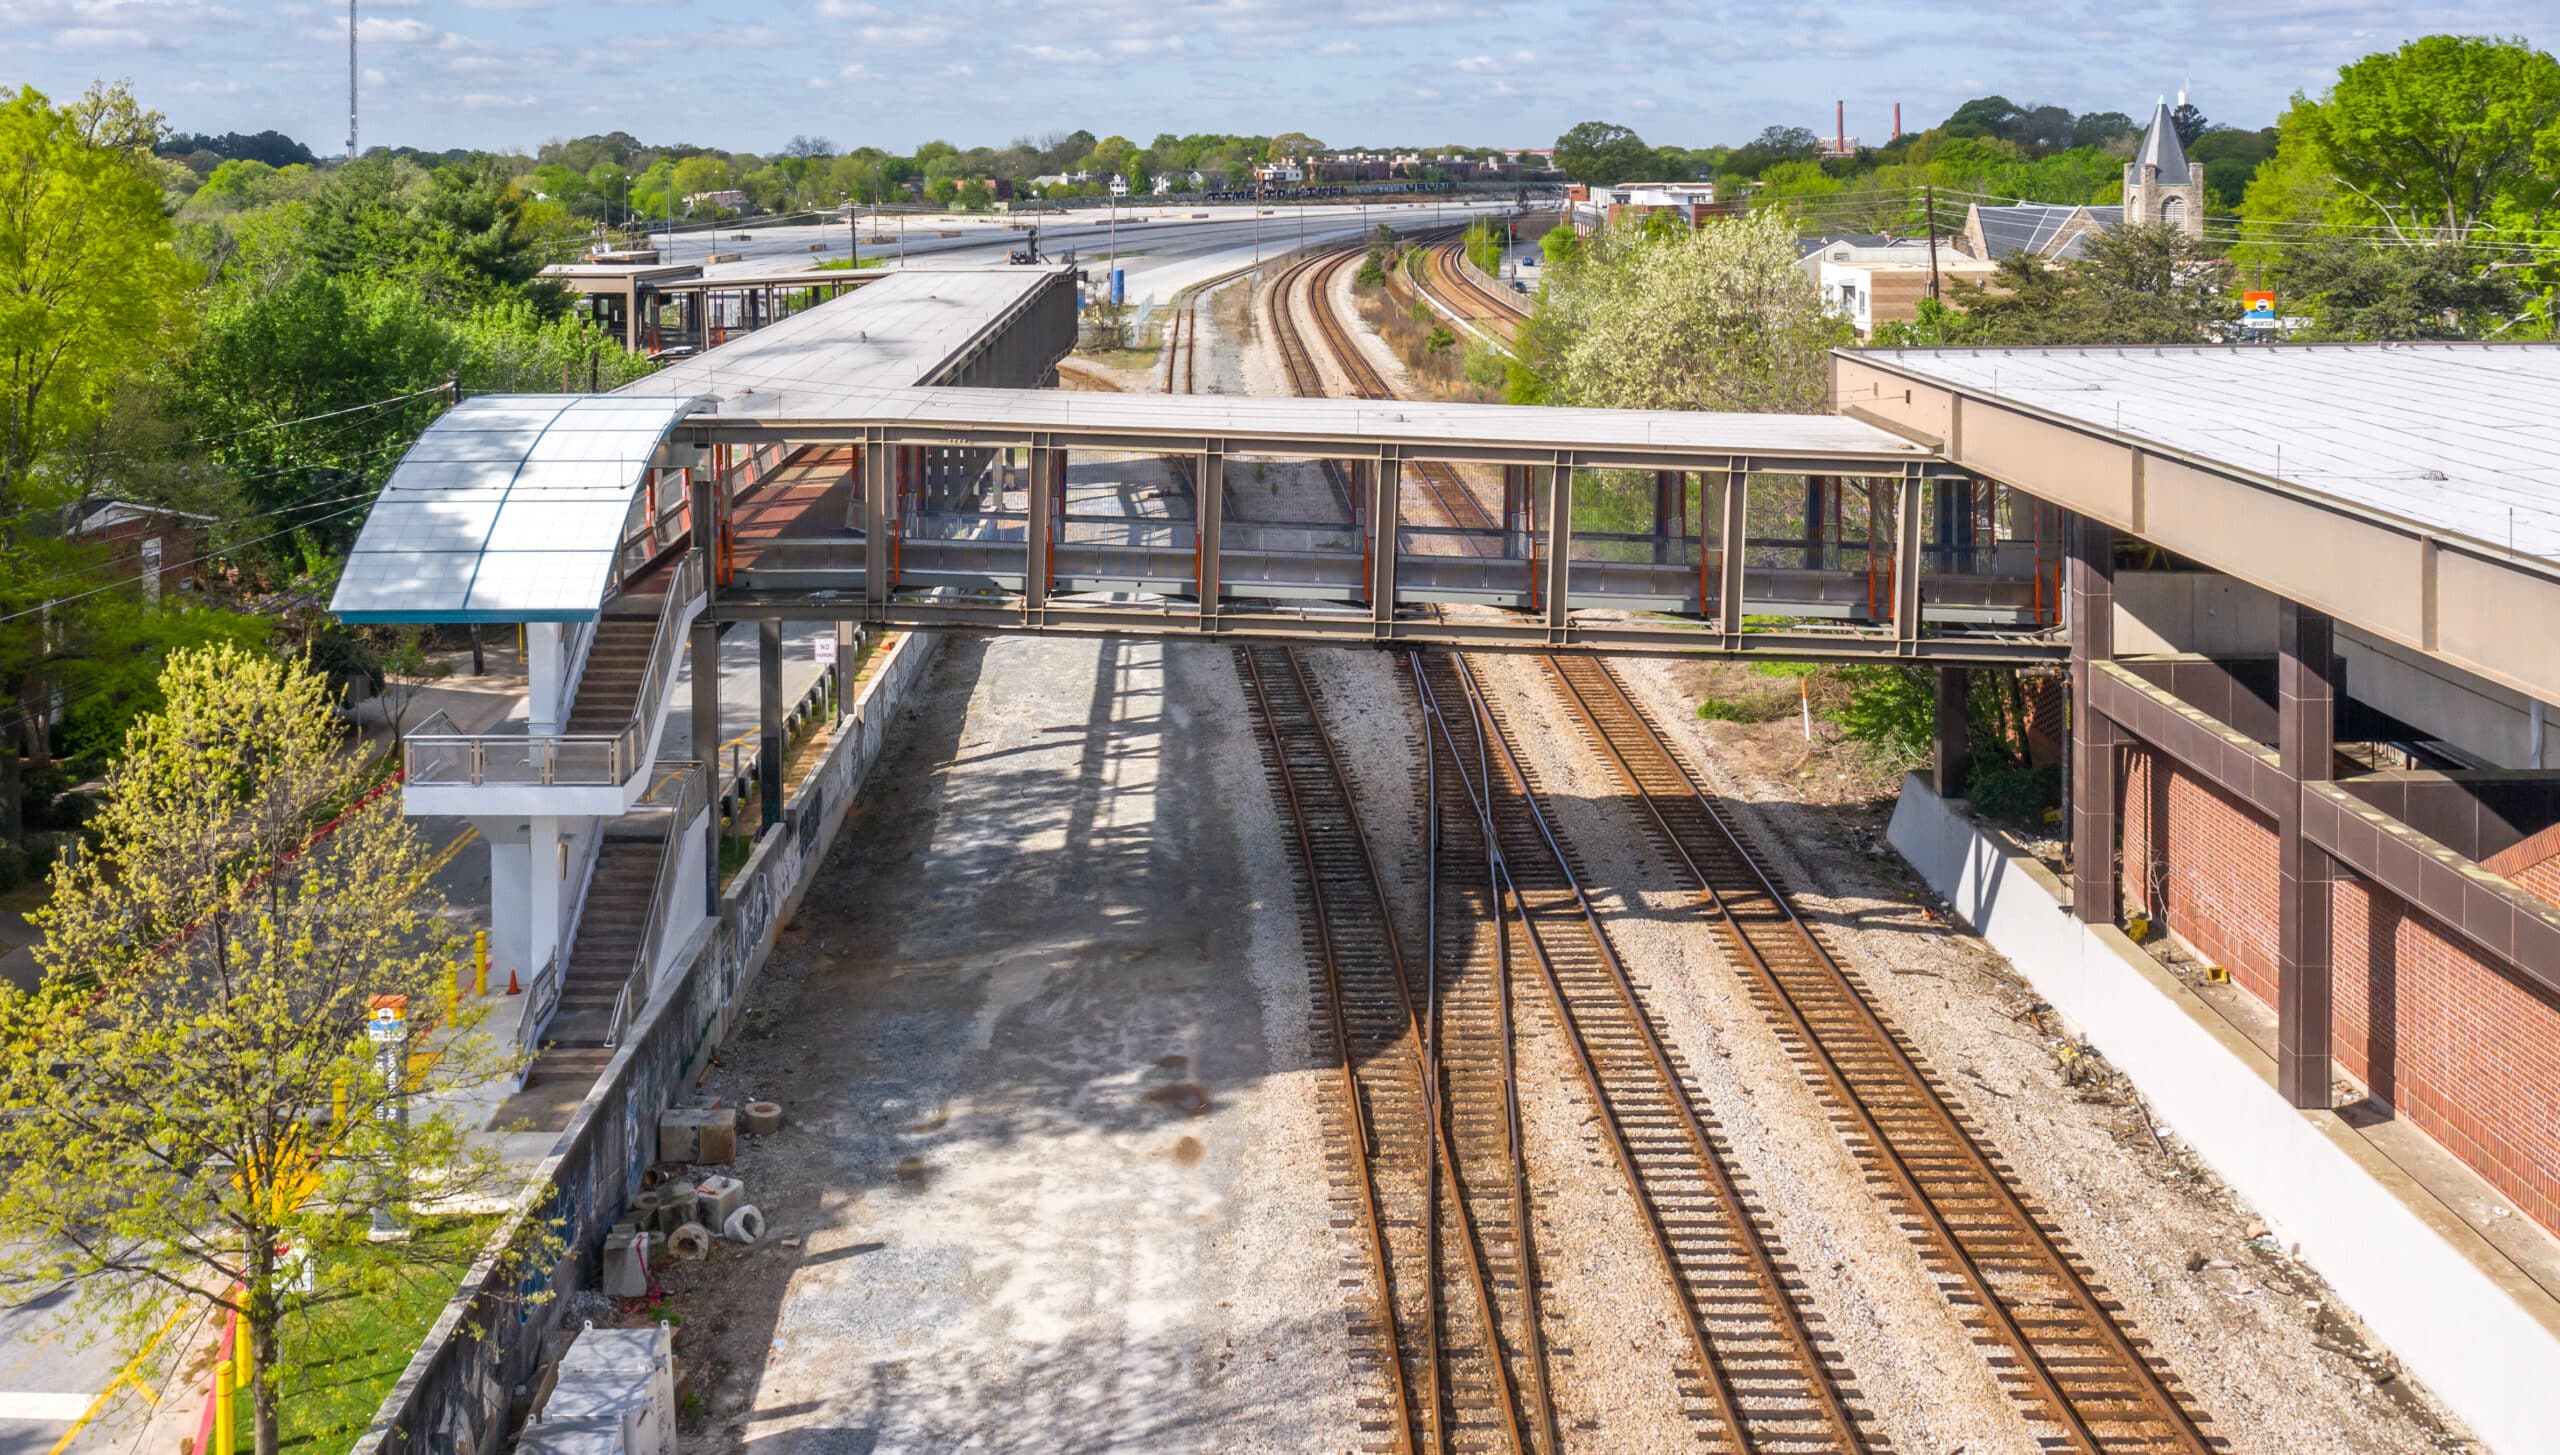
{"type": "Point", "coordinates": [351, 80]}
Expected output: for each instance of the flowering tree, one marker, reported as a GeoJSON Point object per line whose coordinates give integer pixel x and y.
{"type": "Point", "coordinates": [190, 1106]}
{"type": "Point", "coordinates": [1718, 318]}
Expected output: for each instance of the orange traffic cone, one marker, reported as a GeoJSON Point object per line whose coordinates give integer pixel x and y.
{"type": "Point", "coordinates": [512, 987]}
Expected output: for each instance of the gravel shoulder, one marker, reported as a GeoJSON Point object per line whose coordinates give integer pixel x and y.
{"type": "Point", "coordinates": [1052, 1176]}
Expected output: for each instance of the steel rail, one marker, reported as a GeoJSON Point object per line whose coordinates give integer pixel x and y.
{"type": "Point", "coordinates": [1762, 924]}
{"type": "Point", "coordinates": [1355, 1100]}
{"type": "Point", "coordinates": [1489, 1375]}
{"type": "Point", "coordinates": [1613, 1098]}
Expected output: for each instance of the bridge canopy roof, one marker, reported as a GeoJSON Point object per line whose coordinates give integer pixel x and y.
{"type": "Point", "coordinates": [1349, 423]}
{"type": "Point", "coordinates": [509, 508]}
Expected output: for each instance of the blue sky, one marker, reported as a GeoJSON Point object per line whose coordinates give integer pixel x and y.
{"type": "Point", "coordinates": [747, 74]}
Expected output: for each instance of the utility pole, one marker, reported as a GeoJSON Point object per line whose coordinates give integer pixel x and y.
{"type": "Point", "coordinates": [1929, 206]}
{"type": "Point", "coordinates": [351, 80]}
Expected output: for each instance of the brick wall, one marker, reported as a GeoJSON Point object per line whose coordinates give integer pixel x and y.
{"type": "Point", "coordinates": [2458, 1049]}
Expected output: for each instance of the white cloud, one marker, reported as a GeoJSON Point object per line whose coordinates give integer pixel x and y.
{"type": "Point", "coordinates": [1339, 48]}
{"type": "Point", "coordinates": [488, 101]}
{"type": "Point", "coordinates": [850, 10]}
{"type": "Point", "coordinates": [1082, 55]}
{"type": "Point", "coordinates": [902, 35]}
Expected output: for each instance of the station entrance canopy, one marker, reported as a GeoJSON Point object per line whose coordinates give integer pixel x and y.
{"type": "Point", "coordinates": [514, 508]}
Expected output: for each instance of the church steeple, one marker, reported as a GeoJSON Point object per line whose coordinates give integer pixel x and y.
{"type": "Point", "coordinates": [2160, 185]}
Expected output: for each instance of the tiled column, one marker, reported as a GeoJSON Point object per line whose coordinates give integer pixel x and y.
{"type": "Point", "coordinates": [2090, 599]}
{"type": "Point", "coordinates": [2306, 744]}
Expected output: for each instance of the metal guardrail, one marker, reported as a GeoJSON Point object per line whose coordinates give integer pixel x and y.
{"type": "Point", "coordinates": [542, 999]}
{"type": "Point", "coordinates": [436, 756]}
{"type": "Point", "coordinates": [681, 793]}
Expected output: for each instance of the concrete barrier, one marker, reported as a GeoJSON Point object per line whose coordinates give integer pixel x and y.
{"type": "Point", "coordinates": [457, 1392]}
{"type": "Point", "coordinates": [2482, 1335]}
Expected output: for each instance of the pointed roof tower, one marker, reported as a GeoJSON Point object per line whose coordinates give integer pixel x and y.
{"type": "Point", "coordinates": [2160, 149]}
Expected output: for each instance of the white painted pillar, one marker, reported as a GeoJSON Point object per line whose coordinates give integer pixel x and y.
{"type": "Point", "coordinates": [545, 670]}
{"type": "Point", "coordinates": [543, 917]}
{"type": "Point", "coordinates": [510, 913]}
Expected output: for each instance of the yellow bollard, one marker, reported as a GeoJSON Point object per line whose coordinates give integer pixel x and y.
{"type": "Point", "coordinates": [480, 962]}
{"type": "Point", "coordinates": [225, 1439]}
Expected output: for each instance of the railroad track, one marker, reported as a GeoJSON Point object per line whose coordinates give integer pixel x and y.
{"type": "Point", "coordinates": [1440, 1349]}
{"type": "Point", "coordinates": [2050, 1334]}
{"type": "Point", "coordinates": [1182, 348]}
{"type": "Point", "coordinates": [2047, 1330]}
{"type": "Point", "coordinates": [1500, 310]}
{"type": "Point", "coordinates": [1754, 1376]}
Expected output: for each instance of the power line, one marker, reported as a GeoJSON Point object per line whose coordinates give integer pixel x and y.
{"type": "Point", "coordinates": [207, 555]}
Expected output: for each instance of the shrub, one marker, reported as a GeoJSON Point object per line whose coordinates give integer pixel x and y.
{"type": "Point", "coordinates": [2016, 794]}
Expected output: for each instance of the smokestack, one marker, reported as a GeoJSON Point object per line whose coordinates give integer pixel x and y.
{"type": "Point", "coordinates": [1840, 126]}
{"type": "Point", "coordinates": [1897, 118]}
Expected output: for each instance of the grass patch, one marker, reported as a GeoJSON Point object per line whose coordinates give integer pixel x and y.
{"type": "Point", "coordinates": [341, 1358]}
{"type": "Point", "coordinates": [1748, 709]}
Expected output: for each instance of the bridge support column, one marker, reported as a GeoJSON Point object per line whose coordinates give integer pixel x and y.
{"type": "Point", "coordinates": [548, 866]}
{"type": "Point", "coordinates": [1733, 544]}
{"type": "Point", "coordinates": [1670, 505]}
{"type": "Point", "coordinates": [1515, 511]}
{"type": "Point", "coordinates": [1208, 515]}
{"type": "Point", "coordinates": [1559, 551]}
{"type": "Point", "coordinates": [879, 485]}
{"type": "Point", "coordinates": [2306, 748]}
{"type": "Point", "coordinates": [2091, 776]}
{"type": "Point", "coordinates": [1036, 537]}
{"type": "Point", "coordinates": [769, 714]}
{"type": "Point", "coordinates": [1386, 481]}
{"type": "Point", "coordinates": [1951, 757]}
{"type": "Point", "coordinates": [1908, 506]}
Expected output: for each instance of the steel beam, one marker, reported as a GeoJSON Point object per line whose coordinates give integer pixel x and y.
{"type": "Point", "coordinates": [1208, 517]}
{"type": "Point", "coordinates": [2306, 748]}
{"type": "Point", "coordinates": [2091, 615]}
{"type": "Point", "coordinates": [879, 504]}
{"type": "Point", "coordinates": [1558, 563]}
{"type": "Point", "coordinates": [1909, 522]}
{"type": "Point", "coordinates": [1732, 545]}
{"type": "Point", "coordinates": [1386, 481]}
{"type": "Point", "coordinates": [1037, 537]}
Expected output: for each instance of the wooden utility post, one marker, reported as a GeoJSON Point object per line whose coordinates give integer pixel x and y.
{"type": "Point", "coordinates": [1929, 207]}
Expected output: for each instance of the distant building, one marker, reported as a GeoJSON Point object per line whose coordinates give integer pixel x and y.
{"type": "Point", "coordinates": [1693, 202]}
{"type": "Point", "coordinates": [2051, 231]}
{"type": "Point", "coordinates": [2160, 188]}
{"type": "Point", "coordinates": [152, 545]}
{"type": "Point", "coordinates": [727, 200]}
{"type": "Point", "coordinates": [1872, 280]}
{"type": "Point", "coordinates": [1280, 174]}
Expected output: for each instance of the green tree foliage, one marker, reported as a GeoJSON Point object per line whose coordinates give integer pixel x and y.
{"type": "Point", "coordinates": [2356, 289]}
{"type": "Point", "coordinates": [1602, 154]}
{"type": "Point", "coordinates": [2443, 136]}
{"type": "Point", "coordinates": [2137, 285]}
{"type": "Point", "coordinates": [91, 284]}
{"type": "Point", "coordinates": [192, 1108]}
{"type": "Point", "coordinates": [1716, 318]}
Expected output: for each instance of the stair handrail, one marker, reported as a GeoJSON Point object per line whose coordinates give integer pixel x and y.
{"type": "Point", "coordinates": [436, 755]}
{"type": "Point", "coordinates": [680, 794]}
{"type": "Point", "coordinates": [542, 999]}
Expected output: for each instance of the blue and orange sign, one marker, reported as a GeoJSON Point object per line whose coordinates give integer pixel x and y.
{"type": "Point", "coordinates": [2261, 306]}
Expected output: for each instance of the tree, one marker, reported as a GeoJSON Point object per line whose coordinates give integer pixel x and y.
{"type": "Point", "coordinates": [192, 1109]}
{"type": "Point", "coordinates": [92, 291]}
{"type": "Point", "coordinates": [1983, 116]}
{"type": "Point", "coordinates": [2189, 121]}
{"type": "Point", "coordinates": [1716, 318]}
{"type": "Point", "coordinates": [1602, 154]}
{"type": "Point", "coordinates": [1294, 146]}
{"type": "Point", "coordinates": [2136, 285]}
{"type": "Point", "coordinates": [2355, 289]}
{"type": "Point", "coordinates": [2442, 136]}
{"type": "Point", "coordinates": [2100, 130]}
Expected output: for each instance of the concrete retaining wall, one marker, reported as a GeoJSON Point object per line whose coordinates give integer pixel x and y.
{"type": "Point", "coordinates": [2461, 1317]}
{"type": "Point", "coordinates": [456, 1393]}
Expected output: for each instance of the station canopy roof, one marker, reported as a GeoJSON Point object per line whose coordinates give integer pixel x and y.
{"type": "Point", "coordinates": [509, 508]}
